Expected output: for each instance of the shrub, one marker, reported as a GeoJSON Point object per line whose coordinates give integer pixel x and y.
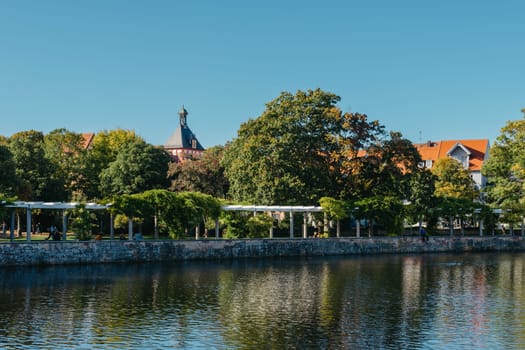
{"type": "Point", "coordinates": [259, 225]}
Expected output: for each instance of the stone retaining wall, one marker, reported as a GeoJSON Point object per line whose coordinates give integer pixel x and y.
{"type": "Point", "coordinates": [51, 253]}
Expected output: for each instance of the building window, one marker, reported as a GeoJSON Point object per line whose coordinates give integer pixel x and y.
{"type": "Point", "coordinates": [464, 161]}
{"type": "Point", "coordinates": [428, 164]}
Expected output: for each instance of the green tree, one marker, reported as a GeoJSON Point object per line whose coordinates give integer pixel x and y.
{"type": "Point", "coordinates": [490, 219]}
{"type": "Point", "coordinates": [292, 153]}
{"type": "Point", "coordinates": [505, 169]}
{"type": "Point", "coordinates": [65, 149]}
{"type": "Point", "coordinates": [133, 207]}
{"type": "Point", "coordinates": [453, 180]}
{"type": "Point", "coordinates": [259, 225]}
{"type": "Point", "coordinates": [107, 145]}
{"type": "Point", "coordinates": [104, 149]}
{"type": "Point", "coordinates": [383, 210]}
{"type": "Point", "coordinates": [422, 196]}
{"type": "Point", "coordinates": [386, 168]}
{"type": "Point", "coordinates": [235, 224]}
{"type": "Point", "coordinates": [196, 207]}
{"type": "Point", "coordinates": [455, 208]}
{"type": "Point", "coordinates": [38, 181]}
{"type": "Point", "coordinates": [178, 212]}
{"type": "Point", "coordinates": [8, 177]}
{"type": "Point", "coordinates": [82, 222]}
{"type": "Point", "coordinates": [336, 209]}
{"type": "Point", "coordinates": [158, 202]}
{"type": "Point", "coordinates": [167, 208]}
{"type": "Point", "coordinates": [205, 175]}
{"type": "Point", "coordinates": [138, 167]}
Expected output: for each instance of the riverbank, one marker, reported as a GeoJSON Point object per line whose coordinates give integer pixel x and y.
{"type": "Point", "coordinates": [55, 253]}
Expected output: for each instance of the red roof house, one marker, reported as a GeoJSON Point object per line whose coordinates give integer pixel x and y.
{"type": "Point", "coordinates": [471, 153]}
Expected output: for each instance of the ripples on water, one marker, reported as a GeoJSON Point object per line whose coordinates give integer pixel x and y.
{"type": "Point", "coordinates": [381, 302]}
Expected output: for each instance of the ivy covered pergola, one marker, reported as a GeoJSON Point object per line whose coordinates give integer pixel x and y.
{"type": "Point", "coordinates": [62, 206]}
{"type": "Point", "coordinates": [29, 206]}
{"type": "Point", "coordinates": [291, 209]}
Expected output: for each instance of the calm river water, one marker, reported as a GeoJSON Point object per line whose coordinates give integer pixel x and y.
{"type": "Point", "coordinates": [378, 302]}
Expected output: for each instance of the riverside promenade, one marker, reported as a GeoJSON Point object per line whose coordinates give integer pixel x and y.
{"type": "Point", "coordinates": [114, 251]}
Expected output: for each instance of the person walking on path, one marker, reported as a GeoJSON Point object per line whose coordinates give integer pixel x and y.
{"type": "Point", "coordinates": [423, 234]}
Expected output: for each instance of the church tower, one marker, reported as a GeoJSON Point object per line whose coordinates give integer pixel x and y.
{"type": "Point", "coordinates": [183, 144]}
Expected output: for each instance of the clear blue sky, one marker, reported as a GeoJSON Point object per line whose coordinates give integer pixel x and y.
{"type": "Point", "coordinates": [432, 70]}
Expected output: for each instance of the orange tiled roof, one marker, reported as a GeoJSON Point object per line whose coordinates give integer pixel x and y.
{"type": "Point", "coordinates": [437, 150]}
{"type": "Point", "coordinates": [87, 139]}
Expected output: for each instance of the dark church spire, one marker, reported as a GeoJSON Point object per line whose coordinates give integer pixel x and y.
{"type": "Point", "coordinates": [183, 113]}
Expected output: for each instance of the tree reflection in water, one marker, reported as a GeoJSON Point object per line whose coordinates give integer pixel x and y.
{"type": "Point", "coordinates": [398, 301]}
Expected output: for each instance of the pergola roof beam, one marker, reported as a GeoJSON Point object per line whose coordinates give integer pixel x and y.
{"type": "Point", "coordinates": [285, 208]}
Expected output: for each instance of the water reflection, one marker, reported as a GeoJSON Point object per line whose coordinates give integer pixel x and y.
{"type": "Point", "coordinates": [388, 302]}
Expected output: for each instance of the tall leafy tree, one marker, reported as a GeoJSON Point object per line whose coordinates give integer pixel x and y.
{"type": "Point", "coordinates": [36, 172]}
{"type": "Point", "coordinates": [65, 149]}
{"type": "Point", "coordinates": [205, 175]}
{"type": "Point", "coordinates": [422, 196]}
{"type": "Point", "coordinates": [384, 210]}
{"type": "Point", "coordinates": [350, 162]}
{"type": "Point", "coordinates": [290, 154]}
{"type": "Point", "coordinates": [105, 147]}
{"type": "Point", "coordinates": [505, 169]}
{"type": "Point", "coordinates": [107, 144]}
{"type": "Point", "coordinates": [455, 189]}
{"type": "Point", "coordinates": [453, 180]}
{"type": "Point", "coordinates": [138, 167]}
{"type": "Point", "coordinates": [378, 175]}
{"type": "Point", "coordinates": [8, 177]}
{"type": "Point", "coordinates": [336, 209]}
{"type": "Point", "coordinates": [4, 140]}
{"type": "Point", "coordinates": [387, 167]}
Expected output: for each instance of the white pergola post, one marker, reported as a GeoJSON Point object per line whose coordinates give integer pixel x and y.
{"type": "Point", "coordinates": [12, 229]}
{"type": "Point", "coordinates": [155, 226]}
{"type": "Point", "coordinates": [338, 228]}
{"type": "Point", "coordinates": [64, 225]}
{"type": "Point", "coordinates": [291, 224]}
{"type": "Point", "coordinates": [305, 228]}
{"type": "Point", "coordinates": [325, 224]}
{"type": "Point", "coordinates": [28, 224]}
{"type": "Point", "coordinates": [111, 228]}
{"type": "Point", "coordinates": [271, 227]}
{"type": "Point", "coordinates": [28, 206]}
{"type": "Point", "coordinates": [130, 229]}
{"type": "Point", "coordinates": [197, 232]}
{"type": "Point", "coordinates": [481, 227]}
{"type": "Point", "coordinates": [357, 228]}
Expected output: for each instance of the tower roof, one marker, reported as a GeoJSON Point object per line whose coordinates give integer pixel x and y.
{"type": "Point", "coordinates": [183, 137]}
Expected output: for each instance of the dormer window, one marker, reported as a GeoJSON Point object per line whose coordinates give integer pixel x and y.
{"type": "Point", "coordinates": [193, 143]}
{"type": "Point", "coordinates": [461, 154]}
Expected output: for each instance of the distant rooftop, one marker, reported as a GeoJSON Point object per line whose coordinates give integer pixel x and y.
{"type": "Point", "coordinates": [183, 137]}
{"type": "Point", "coordinates": [476, 149]}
